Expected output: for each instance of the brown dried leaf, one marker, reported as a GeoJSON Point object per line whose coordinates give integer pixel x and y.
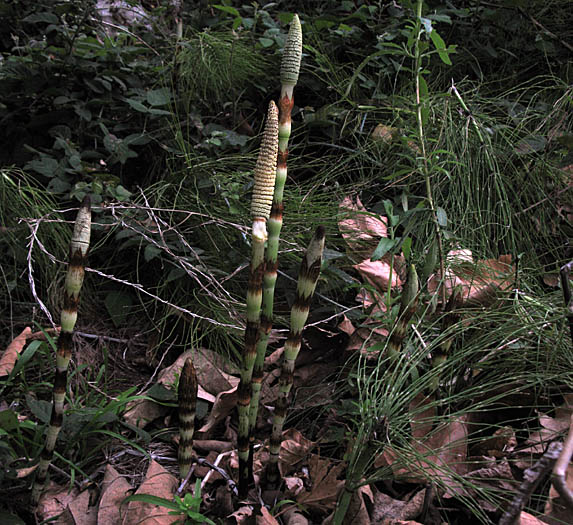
{"type": "Point", "coordinates": [81, 512]}
{"type": "Point", "coordinates": [115, 489]}
{"type": "Point", "coordinates": [266, 518]}
{"type": "Point", "coordinates": [225, 402]}
{"type": "Point", "coordinates": [360, 229]}
{"type": "Point", "coordinates": [480, 281]}
{"type": "Point", "coordinates": [143, 411]}
{"type": "Point", "coordinates": [294, 448]}
{"type": "Point", "coordinates": [54, 502]}
{"type": "Point", "coordinates": [158, 482]}
{"type": "Point", "coordinates": [377, 273]}
{"type": "Point", "coordinates": [13, 350]}
{"type": "Point", "coordinates": [422, 420]}
{"type": "Point", "coordinates": [384, 134]}
{"type": "Point", "coordinates": [325, 485]}
{"type": "Point", "coordinates": [527, 519]}
{"type": "Point", "coordinates": [444, 450]}
{"type": "Point", "coordinates": [387, 508]}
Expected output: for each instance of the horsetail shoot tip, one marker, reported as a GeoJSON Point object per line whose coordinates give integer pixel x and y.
{"type": "Point", "coordinates": [265, 172]}
{"type": "Point", "coordinates": [187, 396]}
{"type": "Point", "coordinates": [79, 246]}
{"type": "Point", "coordinates": [290, 68]}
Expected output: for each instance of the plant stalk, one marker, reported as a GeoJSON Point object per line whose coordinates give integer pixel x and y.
{"type": "Point", "coordinates": [79, 246]}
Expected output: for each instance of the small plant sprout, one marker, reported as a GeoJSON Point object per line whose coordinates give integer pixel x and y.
{"type": "Point", "coordinates": [265, 172]}
{"type": "Point", "coordinates": [187, 394]}
{"type": "Point", "coordinates": [307, 279]}
{"type": "Point", "coordinates": [79, 246]}
{"type": "Point", "coordinates": [290, 68]}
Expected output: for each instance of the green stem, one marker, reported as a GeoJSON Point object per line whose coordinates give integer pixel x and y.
{"type": "Point", "coordinates": [265, 173]}
{"type": "Point", "coordinates": [422, 141]}
{"type": "Point", "coordinates": [79, 246]}
{"type": "Point", "coordinates": [307, 279]}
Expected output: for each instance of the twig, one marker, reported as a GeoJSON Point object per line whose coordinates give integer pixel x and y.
{"type": "Point", "coordinates": [560, 469]}
{"type": "Point", "coordinates": [531, 479]}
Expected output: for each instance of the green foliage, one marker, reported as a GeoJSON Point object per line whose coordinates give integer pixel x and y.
{"type": "Point", "coordinates": [189, 505]}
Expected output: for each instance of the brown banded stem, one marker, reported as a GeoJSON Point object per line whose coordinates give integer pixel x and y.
{"type": "Point", "coordinates": [290, 68]}
{"type": "Point", "coordinates": [187, 397]}
{"type": "Point", "coordinates": [79, 246]}
{"type": "Point", "coordinates": [265, 173]}
{"type": "Point", "coordinates": [307, 279]}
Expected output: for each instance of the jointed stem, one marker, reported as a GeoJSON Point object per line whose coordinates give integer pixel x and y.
{"type": "Point", "coordinates": [187, 398]}
{"type": "Point", "coordinates": [307, 278]}
{"type": "Point", "coordinates": [79, 246]}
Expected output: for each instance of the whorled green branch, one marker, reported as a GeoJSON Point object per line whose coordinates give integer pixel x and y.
{"type": "Point", "coordinates": [265, 173]}
{"type": "Point", "coordinates": [79, 246]}
{"type": "Point", "coordinates": [307, 279]}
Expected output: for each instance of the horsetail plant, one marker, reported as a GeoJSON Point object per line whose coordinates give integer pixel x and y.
{"type": "Point", "coordinates": [408, 307]}
{"type": "Point", "coordinates": [187, 398]}
{"type": "Point", "coordinates": [79, 246]}
{"type": "Point", "coordinates": [265, 173]}
{"type": "Point", "coordinates": [290, 68]}
{"type": "Point", "coordinates": [307, 278]}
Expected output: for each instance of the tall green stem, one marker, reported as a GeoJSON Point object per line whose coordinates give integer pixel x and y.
{"type": "Point", "coordinates": [265, 173]}
{"type": "Point", "coordinates": [79, 246]}
{"type": "Point", "coordinates": [307, 278]}
{"type": "Point", "coordinates": [290, 68]}
{"type": "Point", "coordinates": [422, 142]}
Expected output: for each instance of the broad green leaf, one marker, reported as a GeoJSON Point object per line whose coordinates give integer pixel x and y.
{"type": "Point", "coordinates": [45, 17]}
{"type": "Point", "coordinates": [384, 246]}
{"type": "Point", "coordinates": [151, 252]}
{"type": "Point", "coordinates": [266, 42]}
{"type": "Point", "coordinates": [228, 9]}
{"type": "Point", "coordinates": [154, 500]}
{"type": "Point", "coordinates": [46, 166]}
{"type": "Point", "coordinates": [440, 46]}
{"type": "Point", "coordinates": [407, 247]}
{"type": "Point", "coordinates": [137, 105]}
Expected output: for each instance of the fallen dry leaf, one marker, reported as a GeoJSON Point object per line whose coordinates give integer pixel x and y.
{"type": "Point", "coordinates": [158, 482]}
{"type": "Point", "coordinates": [143, 411]}
{"type": "Point", "coordinates": [387, 508]}
{"type": "Point", "coordinates": [81, 512]}
{"type": "Point", "coordinates": [13, 350]}
{"type": "Point", "coordinates": [360, 229]}
{"type": "Point", "coordinates": [325, 484]}
{"type": "Point", "coordinates": [225, 403]}
{"type": "Point", "coordinates": [423, 413]}
{"type": "Point", "coordinates": [527, 519]}
{"type": "Point", "coordinates": [114, 490]}
{"type": "Point", "coordinates": [266, 518]}
{"type": "Point", "coordinates": [294, 448]}
{"type": "Point", "coordinates": [480, 281]}
{"type": "Point", "coordinates": [443, 452]}
{"type": "Point", "coordinates": [378, 273]}
{"type": "Point", "coordinates": [54, 502]}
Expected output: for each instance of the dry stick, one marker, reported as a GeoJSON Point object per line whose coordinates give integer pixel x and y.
{"type": "Point", "coordinates": [265, 173]}
{"type": "Point", "coordinates": [79, 246]}
{"type": "Point", "coordinates": [560, 469]}
{"type": "Point", "coordinates": [187, 396]}
{"type": "Point", "coordinates": [290, 68]}
{"type": "Point", "coordinates": [531, 479]}
{"type": "Point", "coordinates": [307, 278]}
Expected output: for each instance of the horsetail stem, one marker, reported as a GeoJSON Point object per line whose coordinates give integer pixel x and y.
{"type": "Point", "coordinates": [408, 307]}
{"type": "Point", "coordinates": [265, 171]}
{"type": "Point", "coordinates": [187, 396]}
{"type": "Point", "coordinates": [79, 246]}
{"type": "Point", "coordinates": [307, 278]}
{"type": "Point", "coordinates": [290, 68]}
